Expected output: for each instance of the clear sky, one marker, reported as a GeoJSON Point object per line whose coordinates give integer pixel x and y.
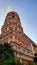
{"type": "Point", "coordinates": [27, 10]}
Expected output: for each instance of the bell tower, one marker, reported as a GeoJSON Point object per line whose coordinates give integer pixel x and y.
{"type": "Point", "coordinates": [12, 22]}
{"type": "Point", "coordinates": [12, 33]}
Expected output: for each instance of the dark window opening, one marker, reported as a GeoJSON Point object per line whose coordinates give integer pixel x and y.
{"type": "Point", "coordinates": [13, 16]}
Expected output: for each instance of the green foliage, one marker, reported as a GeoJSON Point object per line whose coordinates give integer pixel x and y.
{"type": "Point", "coordinates": [7, 55]}
{"type": "Point", "coordinates": [32, 63]}
{"type": "Point", "coordinates": [9, 62]}
{"type": "Point", "coordinates": [8, 52]}
{"type": "Point", "coordinates": [18, 63]}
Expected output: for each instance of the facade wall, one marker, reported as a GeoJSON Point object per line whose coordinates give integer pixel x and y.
{"type": "Point", "coordinates": [12, 33]}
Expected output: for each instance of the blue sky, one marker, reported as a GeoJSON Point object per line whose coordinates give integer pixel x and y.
{"type": "Point", "coordinates": [27, 10]}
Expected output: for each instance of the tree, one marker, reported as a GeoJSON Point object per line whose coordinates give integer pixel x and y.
{"type": "Point", "coordinates": [9, 58]}
{"type": "Point", "coordinates": [7, 54]}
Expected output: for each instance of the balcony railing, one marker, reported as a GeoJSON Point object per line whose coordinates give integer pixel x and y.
{"type": "Point", "coordinates": [24, 57]}
{"type": "Point", "coordinates": [25, 52]}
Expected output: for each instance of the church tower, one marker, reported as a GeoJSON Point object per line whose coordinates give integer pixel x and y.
{"type": "Point", "coordinates": [12, 33]}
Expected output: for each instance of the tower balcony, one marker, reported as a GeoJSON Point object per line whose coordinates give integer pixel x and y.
{"type": "Point", "coordinates": [23, 52]}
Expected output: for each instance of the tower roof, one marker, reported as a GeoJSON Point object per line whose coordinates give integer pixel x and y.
{"type": "Point", "coordinates": [12, 13]}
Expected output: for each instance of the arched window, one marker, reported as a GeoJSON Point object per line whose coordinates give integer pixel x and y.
{"type": "Point", "coordinates": [13, 16]}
